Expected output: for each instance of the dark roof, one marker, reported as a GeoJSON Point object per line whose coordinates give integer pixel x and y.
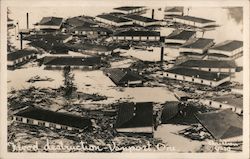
{"type": "Point", "coordinates": [119, 75]}
{"type": "Point", "coordinates": [181, 35]}
{"type": "Point", "coordinates": [55, 21]}
{"type": "Point", "coordinates": [92, 47]}
{"type": "Point", "coordinates": [55, 117]}
{"type": "Point", "coordinates": [222, 124]}
{"type": "Point", "coordinates": [195, 19]}
{"type": "Point", "coordinates": [19, 54]}
{"type": "Point", "coordinates": [140, 18]}
{"type": "Point", "coordinates": [128, 8]}
{"type": "Point", "coordinates": [209, 64]}
{"type": "Point", "coordinates": [131, 115]}
{"type": "Point", "coordinates": [199, 43]}
{"type": "Point", "coordinates": [48, 37]}
{"type": "Point", "coordinates": [198, 74]}
{"type": "Point", "coordinates": [137, 33]}
{"type": "Point", "coordinates": [75, 61]}
{"type": "Point", "coordinates": [230, 100]}
{"type": "Point", "coordinates": [170, 109]}
{"type": "Point", "coordinates": [173, 10]}
{"type": "Point", "coordinates": [113, 18]}
{"type": "Point", "coordinates": [229, 45]}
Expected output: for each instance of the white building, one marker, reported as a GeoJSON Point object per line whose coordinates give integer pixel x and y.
{"type": "Point", "coordinates": [137, 36]}
{"type": "Point", "coordinates": [143, 21]}
{"type": "Point", "coordinates": [130, 9]}
{"type": "Point", "coordinates": [113, 20]}
{"type": "Point", "coordinates": [197, 76]}
{"type": "Point", "coordinates": [194, 21]}
{"type": "Point", "coordinates": [225, 102]}
{"type": "Point", "coordinates": [230, 49]}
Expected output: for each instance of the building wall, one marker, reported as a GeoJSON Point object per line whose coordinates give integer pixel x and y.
{"type": "Point", "coordinates": [137, 38]}
{"type": "Point", "coordinates": [47, 27]}
{"type": "Point", "coordinates": [42, 123]}
{"type": "Point", "coordinates": [136, 130]}
{"type": "Point", "coordinates": [220, 105]}
{"type": "Point", "coordinates": [224, 70]}
{"type": "Point", "coordinates": [195, 79]}
{"type": "Point", "coordinates": [112, 22]}
{"type": "Point", "coordinates": [173, 13]}
{"type": "Point", "coordinates": [62, 66]}
{"type": "Point", "coordinates": [175, 41]}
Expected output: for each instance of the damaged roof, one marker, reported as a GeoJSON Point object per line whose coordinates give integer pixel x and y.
{"type": "Point", "coordinates": [212, 76]}
{"type": "Point", "coordinates": [229, 45]}
{"type": "Point", "coordinates": [55, 21]}
{"type": "Point", "coordinates": [55, 117]}
{"type": "Point", "coordinates": [221, 124]}
{"type": "Point", "coordinates": [122, 75]}
{"type": "Point", "coordinates": [170, 110]}
{"type": "Point", "coordinates": [209, 63]}
{"type": "Point", "coordinates": [132, 115]}
{"type": "Point", "coordinates": [19, 54]}
{"type": "Point", "coordinates": [230, 100]}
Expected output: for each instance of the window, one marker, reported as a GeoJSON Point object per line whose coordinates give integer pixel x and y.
{"type": "Point", "coordinates": [167, 74]}
{"type": "Point", "coordinates": [52, 125]}
{"type": "Point", "coordinates": [19, 119]}
{"type": "Point", "coordinates": [220, 105]}
{"type": "Point", "coordinates": [201, 81]}
{"type": "Point", "coordinates": [209, 69]}
{"type": "Point", "coordinates": [192, 80]}
{"type": "Point", "coordinates": [175, 76]}
{"type": "Point", "coordinates": [30, 121]}
{"type": "Point", "coordinates": [210, 102]}
{"type": "Point", "coordinates": [40, 123]}
{"type": "Point", "coordinates": [211, 83]}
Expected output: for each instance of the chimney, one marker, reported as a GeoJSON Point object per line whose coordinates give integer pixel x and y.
{"type": "Point", "coordinates": [21, 40]}
{"type": "Point", "coordinates": [153, 12]}
{"type": "Point", "coordinates": [162, 53]}
{"type": "Point", "coordinates": [27, 16]}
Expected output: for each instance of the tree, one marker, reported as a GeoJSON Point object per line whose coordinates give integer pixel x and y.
{"type": "Point", "coordinates": [69, 86]}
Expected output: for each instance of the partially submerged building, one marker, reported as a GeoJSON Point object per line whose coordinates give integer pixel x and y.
{"type": "Point", "coordinates": [130, 9]}
{"type": "Point", "coordinates": [49, 23]}
{"type": "Point", "coordinates": [74, 62]}
{"type": "Point", "coordinates": [51, 119]}
{"type": "Point", "coordinates": [135, 118]}
{"type": "Point", "coordinates": [170, 110]}
{"type": "Point", "coordinates": [17, 58]}
{"type": "Point", "coordinates": [181, 96]}
{"type": "Point", "coordinates": [132, 35]}
{"type": "Point", "coordinates": [222, 125]}
{"type": "Point", "coordinates": [143, 21]}
{"type": "Point", "coordinates": [196, 48]}
{"type": "Point", "coordinates": [124, 77]}
{"type": "Point", "coordinates": [230, 49]}
{"type": "Point", "coordinates": [232, 102]}
{"type": "Point", "coordinates": [197, 76]}
{"type": "Point", "coordinates": [113, 20]}
{"type": "Point", "coordinates": [225, 66]}
{"type": "Point", "coordinates": [179, 37]}
{"type": "Point", "coordinates": [194, 21]}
